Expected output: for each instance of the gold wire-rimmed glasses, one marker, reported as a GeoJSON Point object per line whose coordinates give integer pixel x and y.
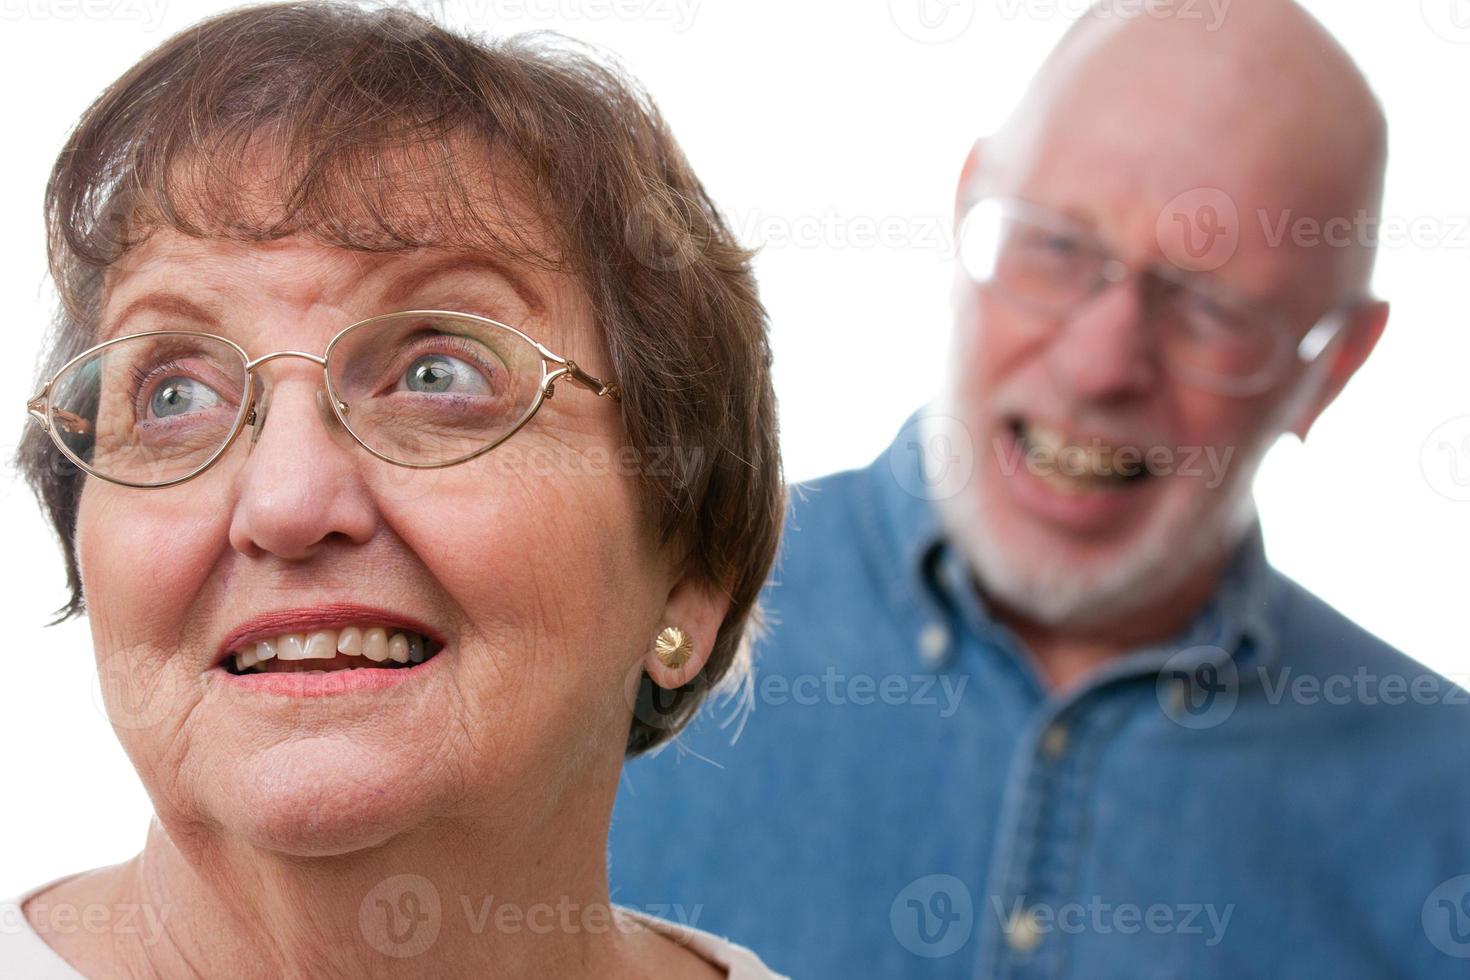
{"type": "Point", "coordinates": [1211, 337]}
{"type": "Point", "coordinates": [155, 409]}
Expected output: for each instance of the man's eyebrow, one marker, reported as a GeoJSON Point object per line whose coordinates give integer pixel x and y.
{"type": "Point", "coordinates": [173, 304]}
{"type": "Point", "coordinates": [404, 286]}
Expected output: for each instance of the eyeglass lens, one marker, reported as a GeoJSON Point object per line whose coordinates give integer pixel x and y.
{"type": "Point", "coordinates": [418, 389]}
{"type": "Point", "coordinates": [1052, 269]}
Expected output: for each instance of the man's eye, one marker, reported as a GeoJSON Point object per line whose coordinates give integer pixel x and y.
{"type": "Point", "coordinates": [1050, 249]}
{"type": "Point", "coordinates": [1061, 245]}
{"type": "Point", "coordinates": [1210, 319]}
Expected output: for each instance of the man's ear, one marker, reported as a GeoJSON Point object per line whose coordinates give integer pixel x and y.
{"type": "Point", "coordinates": [969, 173]}
{"type": "Point", "coordinates": [698, 608]}
{"type": "Point", "coordinates": [1349, 350]}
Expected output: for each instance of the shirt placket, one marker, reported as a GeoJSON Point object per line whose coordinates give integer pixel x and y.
{"type": "Point", "coordinates": [1033, 912]}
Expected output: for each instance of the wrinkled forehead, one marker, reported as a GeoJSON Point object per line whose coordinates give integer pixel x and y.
{"type": "Point", "coordinates": [453, 193]}
{"type": "Point", "coordinates": [301, 273]}
{"type": "Point", "coordinates": [215, 244]}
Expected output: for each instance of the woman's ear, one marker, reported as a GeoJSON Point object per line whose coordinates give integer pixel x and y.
{"type": "Point", "coordinates": [697, 609]}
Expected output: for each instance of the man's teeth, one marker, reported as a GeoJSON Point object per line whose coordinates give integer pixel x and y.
{"type": "Point", "coordinates": [1075, 468]}
{"type": "Point", "coordinates": [374, 643]}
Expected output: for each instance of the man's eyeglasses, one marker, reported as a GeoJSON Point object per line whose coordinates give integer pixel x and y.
{"type": "Point", "coordinates": [1051, 265]}
{"type": "Point", "coordinates": [419, 388]}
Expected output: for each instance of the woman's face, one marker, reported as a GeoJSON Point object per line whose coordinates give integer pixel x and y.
{"type": "Point", "coordinates": [532, 562]}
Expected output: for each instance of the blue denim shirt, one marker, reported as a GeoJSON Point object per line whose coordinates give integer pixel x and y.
{"type": "Point", "coordinates": [1276, 794]}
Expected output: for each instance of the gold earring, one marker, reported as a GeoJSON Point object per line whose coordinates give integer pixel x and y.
{"type": "Point", "coordinates": [673, 647]}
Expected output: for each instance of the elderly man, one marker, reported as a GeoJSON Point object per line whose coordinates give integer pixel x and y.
{"type": "Point", "coordinates": [1034, 704]}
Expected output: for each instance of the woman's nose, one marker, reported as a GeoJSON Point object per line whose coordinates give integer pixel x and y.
{"type": "Point", "coordinates": [300, 483]}
{"type": "Point", "coordinates": [260, 410]}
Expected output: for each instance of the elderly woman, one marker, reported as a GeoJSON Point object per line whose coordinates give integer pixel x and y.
{"type": "Point", "coordinates": [409, 430]}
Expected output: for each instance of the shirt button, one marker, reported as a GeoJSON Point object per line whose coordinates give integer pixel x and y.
{"type": "Point", "coordinates": [1023, 931]}
{"type": "Point", "coordinates": [934, 644]}
{"type": "Point", "coordinates": [1054, 741]}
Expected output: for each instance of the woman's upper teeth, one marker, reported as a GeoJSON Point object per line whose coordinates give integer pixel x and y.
{"type": "Point", "coordinates": [376, 643]}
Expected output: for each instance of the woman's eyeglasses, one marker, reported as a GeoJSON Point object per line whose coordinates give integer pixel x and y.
{"type": "Point", "coordinates": [419, 388]}
{"type": "Point", "coordinates": [1050, 266]}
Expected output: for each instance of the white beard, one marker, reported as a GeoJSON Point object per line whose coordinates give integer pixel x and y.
{"type": "Point", "coordinates": [1052, 591]}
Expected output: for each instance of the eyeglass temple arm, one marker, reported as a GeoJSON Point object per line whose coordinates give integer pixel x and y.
{"type": "Point", "coordinates": [1317, 338]}
{"type": "Point", "coordinates": [36, 407]}
{"type": "Point", "coordinates": [575, 374]}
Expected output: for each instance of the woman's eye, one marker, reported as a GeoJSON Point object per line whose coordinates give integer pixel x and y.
{"type": "Point", "coordinates": [440, 373]}
{"type": "Point", "coordinates": [181, 395]}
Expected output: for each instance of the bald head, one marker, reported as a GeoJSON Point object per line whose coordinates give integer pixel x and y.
{"type": "Point", "coordinates": [1154, 101]}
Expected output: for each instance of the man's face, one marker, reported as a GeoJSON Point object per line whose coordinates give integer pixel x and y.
{"type": "Point", "coordinates": [1062, 409]}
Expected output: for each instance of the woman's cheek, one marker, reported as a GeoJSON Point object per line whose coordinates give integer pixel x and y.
{"type": "Point", "coordinates": [552, 559]}
{"type": "Point", "coordinates": [141, 564]}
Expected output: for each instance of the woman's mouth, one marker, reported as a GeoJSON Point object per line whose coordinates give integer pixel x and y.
{"type": "Point", "coordinates": [364, 647]}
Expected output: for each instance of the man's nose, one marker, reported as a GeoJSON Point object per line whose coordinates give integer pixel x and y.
{"type": "Point", "coordinates": [1106, 349]}
{"type": "Point", "coordinates": [299, 484]}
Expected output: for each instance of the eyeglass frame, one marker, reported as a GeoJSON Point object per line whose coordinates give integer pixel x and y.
{"type": "Point", "coordinates": [1113, 270]}
{"type": "Point", "coordinates": [39, 407]}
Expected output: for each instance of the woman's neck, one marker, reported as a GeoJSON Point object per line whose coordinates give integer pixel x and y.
{"type": "Point", "coordinates": [452, 901]}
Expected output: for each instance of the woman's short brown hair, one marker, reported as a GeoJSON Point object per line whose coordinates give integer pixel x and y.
{"type": "Point", "coordinates": [341, 88]}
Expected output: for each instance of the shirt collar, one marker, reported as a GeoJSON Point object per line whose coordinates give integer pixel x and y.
{"type": "Point", "coordinates": [1239, 619]}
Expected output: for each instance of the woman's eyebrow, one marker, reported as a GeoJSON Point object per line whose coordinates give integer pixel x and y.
{"type": "Point", "coordinates": [173, 304]}
{"type": "Point", "coordinates": [176, 304]}
{"type": "Point", "coordinates": [405, 286]}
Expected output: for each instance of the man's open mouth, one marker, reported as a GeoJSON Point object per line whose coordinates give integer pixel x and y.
{"type": "Point", "coordinates": [1073, 468]}
{"type": "Point", "coordinates": [347, 648]}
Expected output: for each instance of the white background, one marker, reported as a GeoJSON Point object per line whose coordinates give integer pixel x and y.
{"type": "Point", "coordinates": [832, 133]}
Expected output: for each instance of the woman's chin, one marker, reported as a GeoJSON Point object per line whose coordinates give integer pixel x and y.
{"type": "Point", "coordinates": [319, 798]}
